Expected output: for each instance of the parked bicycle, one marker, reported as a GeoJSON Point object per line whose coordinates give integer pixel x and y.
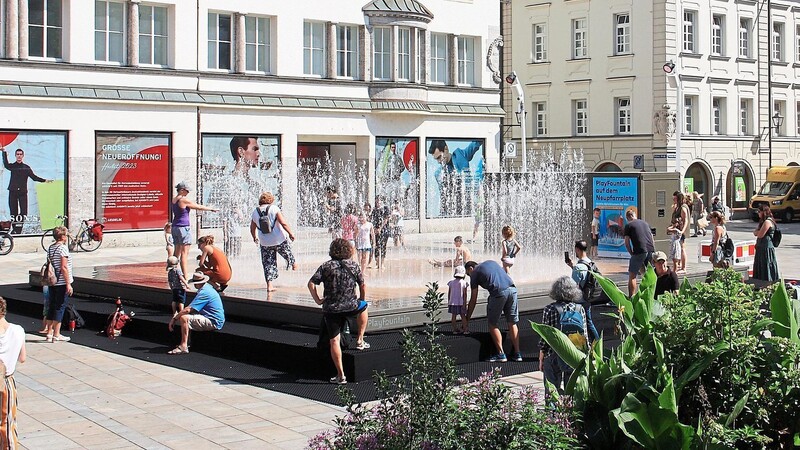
{"type": "Point", "coordinates": [6, 241]}
{"type": "Point", "coordinates": [89, 237]}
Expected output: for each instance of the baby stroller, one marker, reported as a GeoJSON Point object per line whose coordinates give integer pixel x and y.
{"type": "Point", "coordinates": [117, 321]}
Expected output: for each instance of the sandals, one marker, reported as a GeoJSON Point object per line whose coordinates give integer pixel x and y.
{"type": "Point", "coordinates": [178, 351]}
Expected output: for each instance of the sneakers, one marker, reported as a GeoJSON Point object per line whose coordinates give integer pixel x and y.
{"type": "Point", "coordinates": [500, 357]}
{"type": "Point", "coordinates": [49, 338]}
{"type": "Point", "coordinates": [517, 357]}
{"type": "Point", "coordinates": [337, 380]}
{"type": "Point", "coordinates": [363, 345]}
{"type": "Point", "coordinates": [61, 338]}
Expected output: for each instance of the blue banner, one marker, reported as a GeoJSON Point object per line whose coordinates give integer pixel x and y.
{"type": "Point", "coordinates": [614, 196]}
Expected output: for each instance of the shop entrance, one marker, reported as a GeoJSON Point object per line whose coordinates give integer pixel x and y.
{"type": "Point", "coordinates": [739, 185]}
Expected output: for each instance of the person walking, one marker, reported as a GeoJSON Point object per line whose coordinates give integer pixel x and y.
{"type": "Point", "coordinates": [12, 351]}
{"type": "Point", "coordinates": [273, 242]}
{"type": "Point", "coordinates": [502, 301]}
{"type": "Point", "coordinates": [765, 264]}
{"type": "Point", "coordinates": [718, 237]}
{"type": "Point", "coordinates": [59, 257]}
{"type": "Point", "coordinates": [640, 245]}
{"type": "Point", "coordinates": [181, 226]}
{"type": "Point", "coordinates": [698, 212]}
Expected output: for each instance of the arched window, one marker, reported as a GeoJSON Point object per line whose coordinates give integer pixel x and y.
{"type": "Point", "coordinates": [608, 167]}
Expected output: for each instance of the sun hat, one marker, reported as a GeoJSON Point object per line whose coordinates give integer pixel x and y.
{"type": "Point", "coordinates": [198, 278]}
{"type": "Point", "coordinates": [460, 272]}
{"type": "Point", "coordinates": [659, 256]}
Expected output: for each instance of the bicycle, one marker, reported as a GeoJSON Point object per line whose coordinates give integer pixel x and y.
{"type": "Point", "coordinates": [6, 241]}
{"type": "Point", "coordinates": [89, 237]}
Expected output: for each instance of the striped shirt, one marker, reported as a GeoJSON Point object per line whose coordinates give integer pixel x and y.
{"type": "Point", "coordinates": [54, 254]}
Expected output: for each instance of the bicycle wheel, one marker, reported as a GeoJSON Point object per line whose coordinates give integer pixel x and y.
{"type": "Point", "coordinates": [6, 243]}
{"type": "Point", "coordinates": [48, 239]}
{"type": "Point", "coordinates": [87, 243]}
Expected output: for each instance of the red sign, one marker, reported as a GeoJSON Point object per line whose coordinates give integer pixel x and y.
{"type": "Point", "coordinates": [133, 181]}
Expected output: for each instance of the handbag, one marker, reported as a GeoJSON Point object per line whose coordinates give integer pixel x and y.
{"type": "Point", "coordinates": [48, 273]}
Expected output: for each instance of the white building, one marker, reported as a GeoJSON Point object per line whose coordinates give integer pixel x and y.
{"type": "Point", "coordinates": [594, 78]}
{"type": "Point", "coordinates": [310, 80]}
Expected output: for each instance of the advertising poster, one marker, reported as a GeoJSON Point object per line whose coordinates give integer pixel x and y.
{"type": "Point", "coordinates": [741, 190]}
{"type": "Point", "coordinates": [453, 176]}
{"type": "Point", "coordinates": [397, 173]}
{"type": "Point", "coordinates": [235, 170]}
{"type": "Point", "coordinates": [132, 180]}
{"type": "Point", "coordinates": [32, 179]}
{"type": "Point", "coordinates": [614, 196]}
{"type": "Point", "coordinates": [688, 185]}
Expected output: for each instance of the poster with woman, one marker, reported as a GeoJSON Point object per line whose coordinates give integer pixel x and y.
{"type": "Point", "coordinates": [397, 173]}
{"type": "Point", "coordinates": [453, 176]}
{"type": "Point", "coordinates": [32, 190]}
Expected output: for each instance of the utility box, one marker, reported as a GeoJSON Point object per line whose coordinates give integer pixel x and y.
{"type": "Point", "coordinates": [614, 193]}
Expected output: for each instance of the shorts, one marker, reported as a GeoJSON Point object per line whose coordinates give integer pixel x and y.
{"type": "Point", "coordinates": [367, 249]}
{"type": "Point", "coordinates": [639, 261]}
{"type": "Point", "coordinates": [199, 322]}
{"type": "Point", "coordinates": [179, 296]}
{"type": "Point", "coordinates": [505, 302]}
{"type": "Point", "coordinates": [683, 238]}
{"type": "Point", "coordinates": [595, 242]}
{"type": "Point", "coordinates": [182, 235]}
{"type": "Point", "coordinates": [334, 322]}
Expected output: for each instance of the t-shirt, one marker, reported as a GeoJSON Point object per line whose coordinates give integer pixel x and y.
{"type": "Point", "coordinates": [209, 304]}
{"type": "Point", "coordinates": [490, 276]}
{"type": "Point", "coordinates": [595, 225]}
{"type": "Point", "coordinates": [54, 253]}
{"type": "Point", "coordinates": [276, 236]}
{"type": "Point", "coordinates": [667, 283]}
{"type": "Point", "coordinates": [363, 240]}
{"type": "Point", "coordinates": [341, 278]}
{"type": "Point", "coordinates": [349, 226]}
{"type": "Point", "coordinates": [641, 238]}
{"type": "Point", "coordinates": [380, 217]}
{"type": "Point", "coordinates": [457, 286]}
{"type": "Point", "coordinates": [10, 346]}
{"type": "Point", "coordinates": [174, 277]}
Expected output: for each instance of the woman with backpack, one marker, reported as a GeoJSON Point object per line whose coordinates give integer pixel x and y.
{"type": "Point", "coordinates": [765, 264]}
{"type": "Point", "coordinates": [270, 231]}
{"type": "Point", "coordinates": [719, 237]}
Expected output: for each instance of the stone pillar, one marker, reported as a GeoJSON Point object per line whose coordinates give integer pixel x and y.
{"type": "Point", "coordinates": [424, 57]}
{"type": "Point", "coordinates": [23, 29]}
{"type": "Point", "coordinates": [452, 59]}
{"type": "Point", "coordinates": [132, 36]}
{"type": "Point", "coordinates": [330, 50]}
{"type": "Point", "coordinates": [239, 43]}
{"type": "Point", "coordinates": [11, 38]}
{"type": "Point", "coordinates": [365, 58]}
{"type": "Point", "coordinates": [395, 56]}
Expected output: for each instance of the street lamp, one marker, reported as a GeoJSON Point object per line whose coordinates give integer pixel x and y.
{"type": "Point", "coordinates": [520, 113]}
{"type": "Point", "coordinates": [777, 122]}
{"type": "Point", "coordinates": [671, 70]}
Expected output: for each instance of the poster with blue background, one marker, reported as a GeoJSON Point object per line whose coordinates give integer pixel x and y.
{"type": "Point", "coordinates": [614, 196]}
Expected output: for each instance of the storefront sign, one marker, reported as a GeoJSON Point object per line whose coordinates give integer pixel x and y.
{"type": "Point", "coordinates": [397, 173]}
{"type": "Point", "coordinates": [133, 180]}
{"type": "Point", "coordinates": [614, 196]}
{"type": "Point", "coordinates": [453, 176]}
{"type": "Point", "coordinates": [741, 190]}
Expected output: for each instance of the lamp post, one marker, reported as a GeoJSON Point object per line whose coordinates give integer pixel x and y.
{"type": "Point", "coordinates": [520, 113]}
{"type": "Point", "coordinates": [672, 73]}
{"type": "Point", "coordinates": [777, 122]}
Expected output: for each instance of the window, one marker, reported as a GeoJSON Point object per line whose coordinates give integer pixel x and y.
{"type": "Point", "coordinates": [580, 47]}
{"type": "Point", "coordinates": [466, 61]}
{"type": "Point", "coordinates": [717, 35]}
{"type": "Point", "coordinates": [777, 41]}
{"type": "Point", "coordinates": [404, 54]}
{"type": "Point", "coordinates": [153, 35]}
{"type": "Point", "coordinates": [257, 44]}
{"type": "Point", "coordinates": [797, 117]}
{"type": "Point", "coordinates": [797, 44]}
{"type": "Point", "coordinates": [438, 69]}
{"type": "Point", "coordinates": [580, 110]}
{"type": "Point", "coordinates": [540, 127]}
{"type": "Point", "coordinates": [622, 34]}
{"type": "Point", "coordinates": [689, 106]}
{"type": "Point", "coordinates": [539, 42]}
{"type": "Point", "coordinates": [44, 28]}
{"type": "Point", "coordinates": [745, 117]}
{"type": "Point", "coordinates": [219, 41]}
{"type": "Point", "coordinates": [744, 38]}
{"type": "Point", "coordinates": [623, 115]}
{"type": "Point", "coordinates": [347, 51]}
{"type": "Point", "coordinates": [314, 48]}
{"type": "Point", "coordinates": [689, 18]}
{"type": "Point", "coordinates": [109, 31]}
{"type": "Point", "coordinates": [718, 115]}
{"type": "Point", "coordinates": [382, 53]}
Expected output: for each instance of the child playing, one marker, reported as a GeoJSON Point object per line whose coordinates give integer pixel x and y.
{"type": "Point", "coordinates": [457, 299]}
{"type": "Point", "coordinates": [350, 225]}
{"type": "Point", "coordinates": [674, 230]}
{"type": "Point", "coordinates": [396, 222]}
{"type": "Point", "coordinates": [168, 239]}
{"type": "Point", "coordinates": [364, 239]}
{"type": "Point", "coordinates": [178, 284]}
{"type": "Point", "coordinates": [510, 247]}
{"type": "Point", "coordinates": [595, 233]}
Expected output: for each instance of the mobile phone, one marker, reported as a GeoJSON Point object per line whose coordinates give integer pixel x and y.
{"type": "Point", "coordinates": [566, 257]}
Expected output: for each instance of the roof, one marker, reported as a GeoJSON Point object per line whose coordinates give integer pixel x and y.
{"type": "Point", "coordinates": [408, 9]}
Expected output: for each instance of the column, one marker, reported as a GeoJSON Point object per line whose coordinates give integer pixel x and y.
{"type": "Point", "coordinates": [424, 55]}
{"type": "Point", "coordinates": [365, 59]}
{"type": "Point", "coordinates": [132, 36]}
{"type": "Point", "coordinates": [240, 44]}
{"type": "Point", "coordinates": [452, 59]}
{"type": "Point", "coordinates": [330, 50]}
{"type": "Point", "coordinates": [22, 13]}
{"type": "Point", "coordinates": [11, 37]}
{"type": "Point", "coordinates": [395, 56]}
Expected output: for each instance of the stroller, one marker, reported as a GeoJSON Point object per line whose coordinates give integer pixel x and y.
{"type": "Point", "coordinates": [117, 321]}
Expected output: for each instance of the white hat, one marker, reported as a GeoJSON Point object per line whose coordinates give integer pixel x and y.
{"type": "Point", "coordinates": [460, 272]}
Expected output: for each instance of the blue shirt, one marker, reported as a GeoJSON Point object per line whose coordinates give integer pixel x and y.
{"type": "Point", "coordinates": [490, 276]}
{"type": "Point", "coordinates": [209, 304]}
{"type": "Point", "coordinates": [459, 161]}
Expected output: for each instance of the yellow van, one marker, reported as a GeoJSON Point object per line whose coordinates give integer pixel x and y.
{"type": "Point", "coordinates": [781, 192]}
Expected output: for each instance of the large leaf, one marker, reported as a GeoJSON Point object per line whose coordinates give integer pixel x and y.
{"type": "Point", "coordinates": [697, 367]}
{"type": "Point", "coordinates": [616, 296]}
{"type": "Point", "coordinates": [560, 343]}
{"type": "Point", "coordinates": [737, 409]}
{"type": "Point", "coordinates": [782, 309]}
{"type": "Point", "coordinates": [652, 426]}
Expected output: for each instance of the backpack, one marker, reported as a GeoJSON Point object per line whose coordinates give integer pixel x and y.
{"type": "Point", "coordinates": [72, 314]}
{"type": "Point", "coordinates": [571, 323]}
{"type": "Point", "coordinates": [592, 291]}
{"type": "Point", "coordinates": [728, 247]}
{"type": "Point", "coordinates": [264, 224]}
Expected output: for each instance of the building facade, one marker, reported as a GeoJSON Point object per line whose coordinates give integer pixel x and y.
{"type": "Point", "coordinates": [114, 102]}
{"type": "Point", "coordinates": [594, 77]}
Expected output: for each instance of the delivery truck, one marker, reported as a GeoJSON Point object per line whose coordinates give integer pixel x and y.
{"type": "Point", "coordinates": [781, 192]}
